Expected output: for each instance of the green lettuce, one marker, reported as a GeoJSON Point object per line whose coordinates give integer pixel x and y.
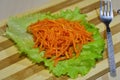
{"type": "Point", "coordinates": [91, 52]}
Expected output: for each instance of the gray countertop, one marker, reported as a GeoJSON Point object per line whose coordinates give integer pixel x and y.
{"type": "Point", "coordinates": [13, 7]}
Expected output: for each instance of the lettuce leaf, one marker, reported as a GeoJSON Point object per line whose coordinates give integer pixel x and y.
{"type": "Point", "coordinates": [91, 52]}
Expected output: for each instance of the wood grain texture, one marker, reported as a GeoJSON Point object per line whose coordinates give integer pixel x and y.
{"type": "Point", "coordinates": [6, 44]}
{"type": "Point", "coordinates": [14, 67]}
{"type": "Point", "coordinates": [27, 72]}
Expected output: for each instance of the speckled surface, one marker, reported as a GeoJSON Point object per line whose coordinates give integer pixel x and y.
{"type": "Point", "coordinates": [13, 7]}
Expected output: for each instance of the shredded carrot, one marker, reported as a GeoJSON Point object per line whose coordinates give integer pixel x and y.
{"type": "Point", "coordinates": [59, 38]}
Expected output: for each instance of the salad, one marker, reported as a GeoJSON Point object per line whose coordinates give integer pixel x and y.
{"type": "Point", "coordinates": [65, 42]}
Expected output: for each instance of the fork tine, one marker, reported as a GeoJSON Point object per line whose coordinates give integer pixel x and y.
{"type": "Point", "coordinates": [106, 8]}
{"type": "Point", "coordinates": [101, 8]}
{"type": "Point", "coordinates": [111, 10]}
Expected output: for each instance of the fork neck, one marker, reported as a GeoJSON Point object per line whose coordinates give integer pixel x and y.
{"type": "Point", "coordinates": [107, 27]}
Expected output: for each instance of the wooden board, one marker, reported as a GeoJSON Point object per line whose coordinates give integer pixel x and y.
{"type": "Point", "coordinates": [15, 67]}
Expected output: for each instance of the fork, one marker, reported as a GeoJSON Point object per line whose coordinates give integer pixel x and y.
{"type": "Point", "coordinates": [106, 16]}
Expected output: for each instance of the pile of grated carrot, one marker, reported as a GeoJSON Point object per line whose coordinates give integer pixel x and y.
{"type": "Point", "coordinates": [61, 39]}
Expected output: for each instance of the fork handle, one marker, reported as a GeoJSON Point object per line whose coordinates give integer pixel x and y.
{"type": "Point", "coordinates": [110, 52]}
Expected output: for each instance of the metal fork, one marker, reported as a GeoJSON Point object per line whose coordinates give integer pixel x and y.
{"type": "Point", "coordinates": [106, 16]}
